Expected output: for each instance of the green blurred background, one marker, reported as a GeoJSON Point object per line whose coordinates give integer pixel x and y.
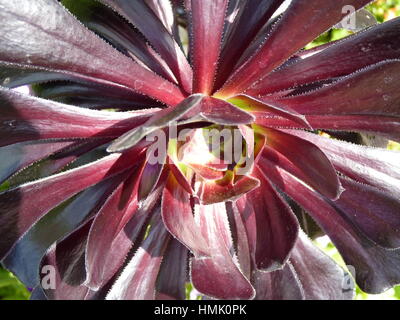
{"type": "Point", "coordinates": [12, 289]}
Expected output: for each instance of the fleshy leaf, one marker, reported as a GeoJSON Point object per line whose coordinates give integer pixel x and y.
{"type": "Point", "coordinates": [158, 121]}
{"type": "Point", "coordinates": [110, 220]}
{"type": "Point", "coordinates": [251, 16]}
{"type": "Point", "coordinates": [210, 192]}
{"type": "Point", "coordinates": [252, 104]}
{"type": "Point", "coordinates": [21, 207]}
{"type": "Point", "coordinates": [143, 17]}
{"type": "Point", "coordinates": [112, 27]}
{"type": "Point", "coordinates": [222, 112]}
{"type": "Point", "coordinates": [25, 257]}
{"type": "Point", "coordinates": [26, 118]}
{"type": "Point", "coordinates": [89, 95]}
{"type": "Point", "coordinates": [278, 285]}
{"type": "Point", "coordinates": [371, 91]}
{"type": "Point", "coordinates": [374, 166]}
{"type": "Point", "coordinates": [342, 58]}
{"type": "Point", "coordinates": [43, 34]}
{"type": "Point", "coordinates": [303, 159]}
{"type": "Point", "coordinates": [320, 276]}
{"type": "Point", "coordinates": [388, 127]}
{"type": "Point", "coordinates": [206, 44]}
{"type": "Point", "coordinates": [138, 279]}
{"type": "Point", "coordinates": [178, 218]}
{"type": "Point", "coordinates": [114, 235]}
{"type": "Point", "coordinates": [376, 269]}
{"type": "Point", "coordinates": [218, 276]}
{"type": "Point", "coordinates": [15, 75]}
{"type": "Point", "coordinates": [173, 272]}
{"type": "Point", "coordinates": [63, 290]}
{"type": "Point", "coordinates": [272, 227]}
{"type": "Point", "coordinates": [302, 22]}
{"type": "Point", "coordinates": [20, 155]}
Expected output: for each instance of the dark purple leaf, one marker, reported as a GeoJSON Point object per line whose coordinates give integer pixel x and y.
{"type": "Point", "coordinates": [278, 285]}
{"type": "Point", "coordinates": [218, 276]}
{"type": "Point", "coordinates": [299, 25]}
{"type": "Point", "coordinates": [21, 207]}
{"type": "Point", "coordinates": [17, 156]}
{"type": "Point", "coordinates": [251, 16]}
{"type": "Point", "coordinates": [320, 276]}
{"type": "Point", "coordinates": [342, 58]}
{"type": "Point", "coordinates": [26, 118]}
{"type": "Point", "coordinates": [57, 41]}
{"type": "Point", "coordinates": [145, 19]}
{"type": "Point", "coordinates": [388, 127]}
{"type": "Point", "coordinates": [173, 272]}
{"type": "Point", "coordinates": [62, 290]}
{"type": "Point", "coordinates": [160, 120]}
{"type": "Point", "coordinates": [376, 268]}
{"type": "Point", "coordinates": [303, 159]}
{"type": "Point", "coordinates": [138, 279]}
{"type": "Point", "coordinates": [377, 167]}
{"type": "Point", "coordinates": [370, 91]}
{"type": "Point", "coordinates": [272, 227]}
{"type": "Point", "coordinates": [116, 30]}
{"type": "Point", "coordinates": [206, 44]}
{"type": "Point", "coordinates": [24, 259]}
{"type": "Point", "coordinates": [222, 112]}
{"type": "Point", "coordinates": [178, 218]}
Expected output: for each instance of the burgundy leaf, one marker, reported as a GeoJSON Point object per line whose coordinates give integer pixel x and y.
{"type": "Point", "coordinates": [377, 167]}
{"type": "Point", "coordinates": [160, 120]}
{"type": "Point", "coordinates": [21, 207]}
{"type": "Point", "coordinates": [173, 273]}
{"type": "Point", "coordinates": [104, 259]}
{"type": "Point", "coordinates": [116, 30]}
{"type": "Point", "coordinates": [251, 16]}
{"type": "Point", "coordinates": [110, 220]}
{"type": "Point", "coordinates": [178, 218]}
{"type": "Point", "coordinates": [252, 104]}
{"type": "Point", "coordinates": [25, 118]}
{"type": "Point", "coordinates": [62, 44]}
{"type": "Point", "coordinates": [374, 212]}
{"type": "Point", "coordinates": [17, 156]}
{"type": "Point", "coordinates": [210, 192]}
{"type": "Point", "coordinates": [376, 268]}
{"type": "Point", "coordinates": [15, 75]}
{"type": "Point", "coordinates": [299, 25]}
{"type": "Point", "coordinates": [206, 44]}
{"type": "Point", "coordinates": [25, 257]}
{"type": "Point", "coordinates": [70, 255]}
{"type": "Point", "coordinates": [278, 285]}
{"type": "Point", "coordinates": [90, 95]}
{"type": "Point", "coordinates": [62, 290]}
{"type": "Point", "coordinates": [145, 19]}
{"type": "Point", "coordinates": [222, 112]}
{"type": "Point", "coordinates": [388, 127]}
{"type": "Point", "coordinates": [303, 159]}
{"type": "Point", "coordinates": [138, 279]}
{"type": "Point", "coordinates": [372, 90]}
{"type": "Point", "coordinates": [271, 226]}
{"type": "Point", "coordinates": [164, 11]}
{"type": "Point", "coordinates": [149, 179]}
{"type": "Point", "coordinates": [240, 239]}
{"type": "Point", "coordinates": [218, 276]}
{"type": "Point", "coordinates": [342, 58]}
{"type": "Point", "coordinates": [320, 276]}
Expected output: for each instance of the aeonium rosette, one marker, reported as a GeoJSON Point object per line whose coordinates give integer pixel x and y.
{"type": "Point", "coordinates": [138, 163]}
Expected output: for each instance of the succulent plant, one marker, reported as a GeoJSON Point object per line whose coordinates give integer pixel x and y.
{"type": "Point", "coordinates": [86, 212]}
